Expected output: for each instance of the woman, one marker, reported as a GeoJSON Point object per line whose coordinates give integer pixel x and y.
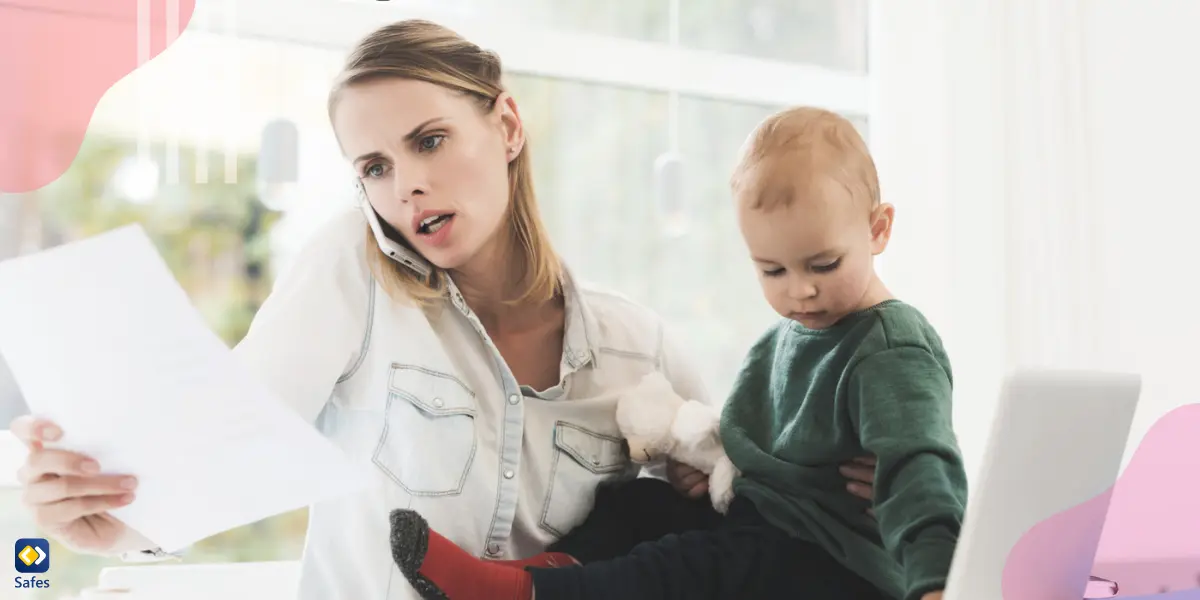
{"type": "Point", "coordinates": [450, 347]}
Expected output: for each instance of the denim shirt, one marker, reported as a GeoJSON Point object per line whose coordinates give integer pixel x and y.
{"type": "Point", "coordinates": [425, 398]}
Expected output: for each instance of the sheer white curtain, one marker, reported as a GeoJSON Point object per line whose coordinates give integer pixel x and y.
{"type": "Point", "coordinates": [1040, 155]}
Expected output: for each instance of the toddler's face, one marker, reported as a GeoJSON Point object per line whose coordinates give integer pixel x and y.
{"type": "Point", "coordinates": [814, 256]}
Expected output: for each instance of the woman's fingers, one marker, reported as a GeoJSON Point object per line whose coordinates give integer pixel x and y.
{"type": "Point", "coordinates": [41, 463]}
{"type": "Point", "coordinates": [693, 479]}
{"type": "Point", "coordinates": [55, 489]}
{"type": "Point", "coordinates": [32, 430]}
{"type": "Point", "coordinates": [686, 479]}
{"type": "Point", "coordinates": [678, 470]}
{"type": "Point", "coordinates": [861, 490]}
{"type": "Point", "coordinates": [59, 513]}
{"type": "Point", "coordinates": [858, 472]}
{"type": "Point", "coordinates": [866, 460]}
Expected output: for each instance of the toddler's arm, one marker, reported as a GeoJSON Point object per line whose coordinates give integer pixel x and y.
{"type": "Point", "coordinates": [900, 403]}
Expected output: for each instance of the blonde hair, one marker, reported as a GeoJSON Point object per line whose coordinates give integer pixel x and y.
{"type": "Point", "coordinates": [810, 145]}
{"type": "Point", "coordinates": [424, 51]}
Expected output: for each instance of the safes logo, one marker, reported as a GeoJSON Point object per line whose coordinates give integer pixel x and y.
{"type": "Point", "coordinates": [32, 555]}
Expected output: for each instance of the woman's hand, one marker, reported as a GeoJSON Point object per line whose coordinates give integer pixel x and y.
{"type": "Point", "coordinates": [932, 596]}
{"type": "Point", "coordinates": [861, 473]}
{"type": "Point", "coordinates": [688, 481]}
{"type": "Point", "coordinates": [65, 493]}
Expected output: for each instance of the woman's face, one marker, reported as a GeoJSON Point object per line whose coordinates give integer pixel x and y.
{"type": "Point", "coordinates": [433, 165]}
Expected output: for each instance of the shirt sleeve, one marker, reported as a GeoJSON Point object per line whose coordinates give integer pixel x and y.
{"type": "Point", "coordinates": [312, 328]}
{"type": "Point", "coordinates": [901, 401]}
{"type": "Point", "coordinates": [679, 368]}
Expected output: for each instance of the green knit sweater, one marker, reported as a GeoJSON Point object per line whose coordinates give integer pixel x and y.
{"type": "Point", "coordinates": [805, 401]}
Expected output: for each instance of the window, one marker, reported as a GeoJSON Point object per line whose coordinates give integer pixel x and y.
{"type": "Point", "coordinates": [611, 108]}
{"type": "Point", "coordinates": [826, 33]}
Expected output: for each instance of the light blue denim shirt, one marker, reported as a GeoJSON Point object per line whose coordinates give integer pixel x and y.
{"type": "Point", "coordinates": [426, 399]}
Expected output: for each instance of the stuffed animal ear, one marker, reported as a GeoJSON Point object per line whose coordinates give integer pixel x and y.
{"type": "Point", "coordinates": [655, 387]}
{"type": "Point", "coordinates": [695, 423]}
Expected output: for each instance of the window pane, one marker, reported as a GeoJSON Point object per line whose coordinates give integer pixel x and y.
{"type": "Point", "coordinates": [715, 304]}
{"type": "Point", "coordinates": [595, 150]}
{"type": "Point", "coordinates": [643, 20]}
{"type": "Point", "coordinates": [828, 33]}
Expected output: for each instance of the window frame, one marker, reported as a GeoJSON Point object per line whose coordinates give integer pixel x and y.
{"type": "Point", "coordinates": [606, 60]}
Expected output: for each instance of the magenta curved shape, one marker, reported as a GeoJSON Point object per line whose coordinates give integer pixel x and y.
{"type": "Point", "coordinates": [57, 58]}
{"type": "Point", "coordinates": [1153, 518]}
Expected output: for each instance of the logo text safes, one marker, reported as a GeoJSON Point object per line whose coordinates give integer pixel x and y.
{"type": "Point", "coordinates": [30, 556]}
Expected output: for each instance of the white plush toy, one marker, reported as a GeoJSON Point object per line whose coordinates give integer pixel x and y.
{"type": "Point", "coordinates": [656, 421]}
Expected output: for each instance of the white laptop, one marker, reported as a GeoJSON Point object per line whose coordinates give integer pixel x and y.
{"type": "Point", "coordinates": [1056, 442]}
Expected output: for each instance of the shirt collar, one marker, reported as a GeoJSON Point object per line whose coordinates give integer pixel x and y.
{"type": "Point", "coordinates": [579, 338]}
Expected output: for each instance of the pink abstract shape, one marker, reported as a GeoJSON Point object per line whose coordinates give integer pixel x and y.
{"type": "Point", "coordinates": [1028, 573]}
{"type": "Point", "coordinates": [1152, 526]}
{"type": "Point", "coordinates": [57, 58]}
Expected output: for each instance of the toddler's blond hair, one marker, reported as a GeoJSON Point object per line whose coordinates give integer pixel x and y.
{"type": "Point", "coordinates": [793, 151]}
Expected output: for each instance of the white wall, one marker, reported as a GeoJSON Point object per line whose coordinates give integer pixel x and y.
{"type": "Point", "coordinates": [1039, 156]}
{"type": "Point", "coordinates": [933, 146]}
{"type": "Point", "coordinates": [1143, 94]}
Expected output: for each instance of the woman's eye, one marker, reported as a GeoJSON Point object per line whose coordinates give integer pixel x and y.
{"type": "Point", "coordinates": [431, 142]}
{"type": "Point", "coordinates": [826, 268]}
{"type": "Point", "coordinates": [374, 171]}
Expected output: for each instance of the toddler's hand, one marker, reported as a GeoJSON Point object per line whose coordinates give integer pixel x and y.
{"type": "Point", "coordinates": [688, 481]}
{"type": "Point", "coordinates": [932, 596]}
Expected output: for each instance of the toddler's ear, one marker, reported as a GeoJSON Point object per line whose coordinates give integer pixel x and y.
{"type": "Point", "coordinates": [881, 227]}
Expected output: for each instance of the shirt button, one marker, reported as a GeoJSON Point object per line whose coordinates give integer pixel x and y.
{"type": "Point", "coordinates": [438, 402]}
{"type": "Point", "coordinates": [493, 549]}
{"type": "Point", "coordinates": [513, 399]}
{"type": "Point", "coordinates": [509, 474]}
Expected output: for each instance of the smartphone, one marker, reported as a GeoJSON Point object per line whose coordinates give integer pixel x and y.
{"type": "Point", "coordinates": [393, 249]}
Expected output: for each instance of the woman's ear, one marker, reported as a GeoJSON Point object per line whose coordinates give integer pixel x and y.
{"type": "Point", "coordinates": [881, 227]}
{"type": "Point", "coordinates": [511, 127]}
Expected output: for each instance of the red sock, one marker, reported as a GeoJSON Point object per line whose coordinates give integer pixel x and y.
{"type": "Point", "coordinates": [439, 570]}
{"type": "Point", "coordinates": [545, 560]}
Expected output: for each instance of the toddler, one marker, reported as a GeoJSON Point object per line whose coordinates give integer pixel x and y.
{"type": "Point", "coordinates": [849, 370]}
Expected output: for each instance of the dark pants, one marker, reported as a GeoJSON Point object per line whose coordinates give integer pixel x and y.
{"type": "Point", "coordinates": [629, 512]}
{"type": "Point", "coordinates": [687, 552]}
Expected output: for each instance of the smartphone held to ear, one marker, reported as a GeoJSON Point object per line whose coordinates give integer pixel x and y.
{"type": "Point", "coordinates": [393, 249]}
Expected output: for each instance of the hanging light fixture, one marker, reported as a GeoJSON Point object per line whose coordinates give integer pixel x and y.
{"type": "Point", "coordinates": [668, 167]}
{"type": "Point", "coordinates": [278, 164]}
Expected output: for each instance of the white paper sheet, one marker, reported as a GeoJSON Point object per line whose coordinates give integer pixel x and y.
{"type": "Point", "coordinates": [103, 341]}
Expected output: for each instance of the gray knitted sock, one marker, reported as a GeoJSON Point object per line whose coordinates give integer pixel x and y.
{"type": "Point", "coordinates": [410, 542]}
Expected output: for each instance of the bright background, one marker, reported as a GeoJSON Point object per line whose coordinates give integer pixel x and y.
{"type": "Point", "coordinates": [1037, 153]}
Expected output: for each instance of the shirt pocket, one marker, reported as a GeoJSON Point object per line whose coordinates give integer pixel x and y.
{"type": "Point", "coordinates": [428, 442]}
{"type": "Point", "coordinates": [582, 460]}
